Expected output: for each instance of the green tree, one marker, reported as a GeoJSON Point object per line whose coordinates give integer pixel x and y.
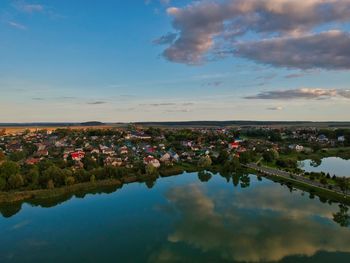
{"type": "Point", "coordinates": [92, 178]}
{"type": "Point", "coordinates": [246, 157]}
{"type": "Point", "coordinates": [343, 184]}
{"type": "Point", "coordinates": [15, 181]}
{"type": "Point", "coordinates": [205, 161]}
{"type": "Point", "coordinates": [270, 155]}
{"type": "Point", "coordinates": [32, 177]}
{"type": "Point", "coordinates": [2, 184]}
{"type": "Point", "coordinates": [323, 181]}
{"type": "Point", "coordinates": [55, 174]}
{"type": "Point", "coordinates": [89, 163]}
{"type": "Point", "coordinates": [151, 170]}
{"type": "Point", "coordinates": [222, 158]}
{"type": "Point", "coordinates": [9, 168]}
{"type": "Point", "coordinates": [232, 166]}
{"type": "Point", "coordinates": [69, 180]}
{"type": "Point", "coordinates": [50, 184]}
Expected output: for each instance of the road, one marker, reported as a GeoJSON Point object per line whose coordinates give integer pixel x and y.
{"type": "Point", "coordinates": [290, 176]}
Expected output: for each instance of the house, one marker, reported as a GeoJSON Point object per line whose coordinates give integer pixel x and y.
{"type": "Point", "coordinates": [40, 146]}
{"type": "Point", "coordinates": [96, 151]}
{"type": "Point", "coordinates": [113, 161]}
{"type": "Point", "coordinates": [169, 157]}
{"type": "Point", "coordinates": [123, 150]}
{"type": "Point", "coordinates": [151, 160]}
{"type": "Point", "coordinates": [165, 158]}
{"type": "Point", "coordinates": [322, 138]}
{"type": "Point", "coordinates": [341, 139]}
{"type": "Point", "coordinates": [150, 149]}
{"type": "Point", "coordinates": [233, 145]}
{"type": "Point", "coordinates": [32, 161]}
{"type": "Point", "coordinates": [296, 147]}
{"type": "Point", "coordinates": [78, 155]}
{"type": "Point", "coordinates": [242, 150]}
{"type": "Point", "coordinates": [108, 151]}
{"type": "Point", "coordinates": [42, 153]}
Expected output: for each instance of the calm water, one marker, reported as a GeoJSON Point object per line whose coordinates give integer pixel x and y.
{"type": "Point", "coordinates": [332, 165]}
{"type": "Point", "coordinates": [180, 219]}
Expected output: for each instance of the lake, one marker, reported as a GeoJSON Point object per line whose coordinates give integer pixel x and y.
{"type": "Point", "coordinates": [180, 219]}
{"type": "Point", "coordinates": [332, 165]}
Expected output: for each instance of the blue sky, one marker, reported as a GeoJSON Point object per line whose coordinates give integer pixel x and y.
{"type": "Point", "coordinates": [84, 60]}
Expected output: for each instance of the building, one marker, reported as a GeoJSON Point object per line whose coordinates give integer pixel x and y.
{"type": "Point", "coordinates": [151, 160]}
{"type": "Point", "coordinates": [341, 139]}
{"type": "Point", "coordinates": [78, 155]}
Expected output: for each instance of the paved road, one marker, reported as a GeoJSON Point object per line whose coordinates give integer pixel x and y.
{"type": "Point", "coordinates": [290, 176]}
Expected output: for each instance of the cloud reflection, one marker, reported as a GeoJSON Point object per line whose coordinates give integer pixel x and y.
{"type": "Point", "coordinates": [265, 225]}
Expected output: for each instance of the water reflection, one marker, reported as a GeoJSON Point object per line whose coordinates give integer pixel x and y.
{"type": "Point", "coordinates": [332, 165]}
{"type": "Point", "coordinates": [8, 210]}
{"type": "Point", "coordinates": [259, 224]}
{"type": "Point", "coordinates": [188, 218]}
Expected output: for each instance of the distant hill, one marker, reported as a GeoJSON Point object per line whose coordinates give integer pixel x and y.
{"type": "Point", "coordinates": [92, 123]}
{"type": "Point", "coordinates": [185, 124]}
{"type": "Point", "coordinates": [244, 123]}
{"type": "Point", "coordinates": [52, 124]}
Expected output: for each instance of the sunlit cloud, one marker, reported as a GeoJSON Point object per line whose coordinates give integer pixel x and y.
{"type": "Point", "coordinates": [305, 93]}
{"type": "Point", "coordinates": [277, 108]}
{"type": "Point", "coordinates": [284, 32]}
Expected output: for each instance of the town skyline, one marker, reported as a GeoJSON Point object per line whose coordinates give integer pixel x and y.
{"type": "Point", "coordinates": [177, 60]}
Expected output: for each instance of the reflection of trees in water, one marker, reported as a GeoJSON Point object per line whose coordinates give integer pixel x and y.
{"type": "Point", "coordinates": [150, 183]}
{"type": "Point", "coordinates": [342, 217]}
{"type": "Point", "coordinates": [238, 178]}
{"type": "Point", "coordinates": [316, 162]}
{"type": "Point", "coordinates": [8, 210]}
{"type": "Point", "coordinates": [204, 176]}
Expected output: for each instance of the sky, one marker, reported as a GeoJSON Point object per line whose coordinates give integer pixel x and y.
{"type": "Point", "coordinates": [174, 60]}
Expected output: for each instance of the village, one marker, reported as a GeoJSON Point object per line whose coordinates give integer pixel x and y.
{"type": "Point", "coordinates": [54, 158]}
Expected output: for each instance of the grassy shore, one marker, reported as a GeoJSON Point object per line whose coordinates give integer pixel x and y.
{"type": "Point", "coordinates": [40, 194]}
{"type": "Point", "coordinates": [16, 196]}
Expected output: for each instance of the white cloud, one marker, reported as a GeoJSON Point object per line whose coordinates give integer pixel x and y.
{"type": "Point", "coordinates": [29, 8]}
{"type": "Point", "coordinates": [277, 108]}
{"type": "Point", "coordinates": [304, 93]}
{"type": "Point", "coordinates": [209, 29]}
{"type": "Point", "coordinates": [17, 25]}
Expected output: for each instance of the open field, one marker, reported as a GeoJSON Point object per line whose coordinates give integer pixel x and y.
{"type": "Point", "coordinates": [13, 128]}
{"type": "Point", "coordinates": [21, 129]}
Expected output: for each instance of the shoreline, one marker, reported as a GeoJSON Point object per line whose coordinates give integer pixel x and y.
{"type": "Point", "coordinates": [13, 197]}
{"type": "Point", "coordinates": [37, 195]}
{"type": "Point", "coordinates": [41, 194]}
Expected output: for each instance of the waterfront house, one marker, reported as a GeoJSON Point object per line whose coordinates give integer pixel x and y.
{"type": "Point", "coordinates": [151, 160]}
